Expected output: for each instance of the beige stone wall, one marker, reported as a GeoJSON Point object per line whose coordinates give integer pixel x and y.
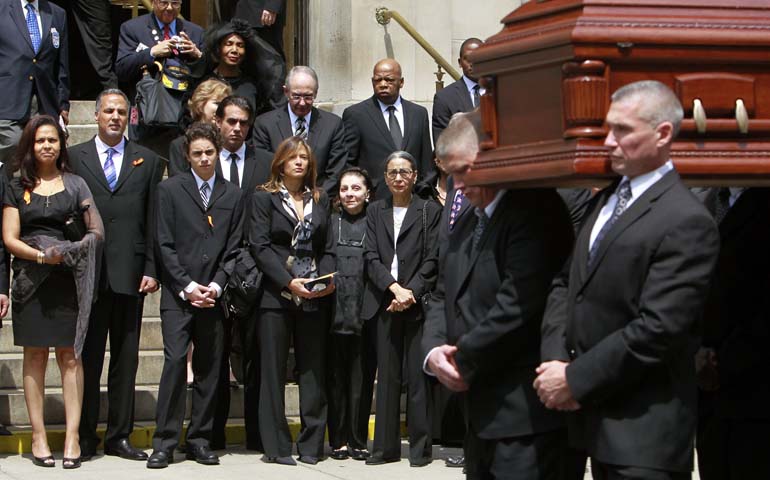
{"type": "Point", "coordinates": [346, 41]}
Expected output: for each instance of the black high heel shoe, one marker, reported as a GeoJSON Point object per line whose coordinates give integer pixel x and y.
{"type": "Point", "coordinates": [46, 462]}
{"type": "Point", "coordinates": [70, 463]}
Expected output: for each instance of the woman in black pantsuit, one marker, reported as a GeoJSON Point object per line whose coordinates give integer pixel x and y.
{"type": "Point", "coordinates": [401, 257]}
{"type": "Point", "coordinates": [292, 243]}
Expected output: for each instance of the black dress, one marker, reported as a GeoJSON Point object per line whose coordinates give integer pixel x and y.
{"type": "Point", "coordinates": [49, 317]}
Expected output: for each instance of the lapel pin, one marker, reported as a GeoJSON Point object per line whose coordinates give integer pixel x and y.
{"type": "Point", "coordinates": [154, 32]}
{"type": "Point", "coordinates": [211, 221]}
{"type": "Point", "coordinates": [138, 162]}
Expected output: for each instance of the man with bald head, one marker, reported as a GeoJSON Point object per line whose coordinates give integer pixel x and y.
{"type": "Point", "coordinates": [323, 131]}
{"type": "Point", "coordinates": [622, 324]}
{"type": "Point", "coordinates": [385, 123]}
{"type": "Point", "coordinates": [461, 96]}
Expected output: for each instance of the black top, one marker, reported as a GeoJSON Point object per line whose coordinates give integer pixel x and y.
{"type": "Point", "coordinates": [42, 215]}
{"type": "Point", "coordinates": [350, 233]}
{"type": "Point", "coordinates": [247, 88]}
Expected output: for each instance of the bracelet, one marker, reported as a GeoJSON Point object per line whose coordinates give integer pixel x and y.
{"type": "Point", "coordinates": [40, 257]}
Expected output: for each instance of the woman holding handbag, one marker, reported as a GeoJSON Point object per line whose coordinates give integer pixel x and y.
{"type": "Point", "coordinates": [52, 228]}
{"type": "Point", "coordinates": [401, 257]}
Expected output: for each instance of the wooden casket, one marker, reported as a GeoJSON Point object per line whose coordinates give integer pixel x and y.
{"type": "Point", "coordinates": [550, 72]}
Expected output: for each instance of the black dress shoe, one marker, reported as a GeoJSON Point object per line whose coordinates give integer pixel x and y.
{"type": "Point", "coordinates": [124, 449]}
{"type": "Point", "coordinates": [455, 461]}
{"type": "Point", "coordinates": [159, 459]}
{"type": "Point", "coordinates": [309, 459]}
{"type": "Point", "coordinates": [4, 431]}
{"type": "Point", "coordinates": [279, 460]}
{"type": "Point", "coordinates": [420, 462]}
{"type": "Point", "coordinates": [378, 460]}
{"type": "Point", "coordinates": [359, 453]}
{"type": "Point", "coordinates": [340, 454]}
{"type": "Point", "coordinates": [87, 454]}
{"type": "Point", "coordinates": [202, 454]}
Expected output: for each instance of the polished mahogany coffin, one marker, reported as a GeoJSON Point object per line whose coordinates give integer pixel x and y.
{"type": "Point", "coordinates": [550, 72]}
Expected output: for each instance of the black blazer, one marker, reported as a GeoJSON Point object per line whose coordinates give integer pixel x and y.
{"type": "Point", "coordinates": [126, 212]}
{"type": "Point", "coordinates": [629, 327]}
{"type": "Point", "coordinates": [448, 101]}
{"type": "Point", "coordinates": [495, 298]}
{"type": "Point", "coordinates": [143, 31]}
{"type": "Point", "coordinates": [256, 167]}
{"type": "Point", "coordinates": [192, 241]}
{"type": "Point", "coordinates": [48, 70]}
{"type": "Point", "coordinates": [270, 232]}
{"type": "Point", "coordinates": [251, 11]}
{"type": "Point", "coordinates": [369, 142]}
{"type": "Point", "coordinates": [416, 271]}
{"type": "Point", "coordinates": [326, 137]}
{"type": "Point", "coordinates": [736, 321]}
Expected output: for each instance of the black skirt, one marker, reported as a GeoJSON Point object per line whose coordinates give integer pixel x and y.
{"type": "Point", "coordinates": [49, 317]}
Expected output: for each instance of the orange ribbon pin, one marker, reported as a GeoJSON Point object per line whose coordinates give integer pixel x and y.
{"type": "Point", "coordinates": [211, 221]}
{"type": "Point", "coordinates": [137, 162]}
{"type": "Point", "coordinates": [27, 197]}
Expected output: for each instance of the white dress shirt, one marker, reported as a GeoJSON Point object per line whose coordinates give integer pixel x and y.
{"type": "Point", "coordinates": [293, 117]}
{"type": "Point", "coordinates": [36, 5]}
{"type": "Point", "coordinates": [399, 114]}
{"type": "Point", "coordinates": [117, 157]}
{"type": "Point", "coordinates": [224, 162]}
{"type": "Point", "coordinates": [193, 285]}
{"type": "Point", "coordinates": [469, 84]}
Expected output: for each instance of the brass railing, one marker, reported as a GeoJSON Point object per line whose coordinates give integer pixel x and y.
{"type": "Point", "coordinates": [384, 15]}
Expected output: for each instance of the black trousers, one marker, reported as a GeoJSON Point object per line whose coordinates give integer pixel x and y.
{"type": "Point", "coordinates": [540, 456]}
{"type": "Point", "coordinates": [603, 471]}
{"type": "Point", "coordinates": [249, 333]}
{"type": "Point", "coordinates": [352, 366]}
{"type": "Point", "coordinates": [222, 408]}
{"type": "Point", "coordinates": [733, 449]}
{"type": "Point", "coordinates": [94, 23]}
{"type": "Point", "coordinates": [398, 343]}
{"type": "Point", "coordinates": [203, 327]}
{"type": "Point", "coordinates": [309, 331]}
{"type": "Point", "coordinates": [120, 317]}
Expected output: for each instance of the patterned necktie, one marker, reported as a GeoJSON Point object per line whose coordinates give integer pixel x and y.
{"type": "Point", "coordinates": [234, 169]}
{"type": "Point", "coordinates": [299, 128]}
{"type": "Point", "coordinates": [480, 226]}
{"type": "Point", "coordinates": [624, 195]}
{"type": "Point", "coordinates": [476, 97]}
{"type": "Point", "coordinates": [395, 128]}
{"type": "Point", "coordinates": [205, 194]}
{"type": "Point", "coordinates": [109, 169]}
{"type": "Point", "coordinates": [34, 31]}
{"type": "Point", "coordinates": [723, 204]}
{"type": "Point", "coordinates": [455, 210]}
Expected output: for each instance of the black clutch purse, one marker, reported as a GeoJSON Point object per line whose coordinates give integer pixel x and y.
{"type": "Point", "coordinates": [75, 226]}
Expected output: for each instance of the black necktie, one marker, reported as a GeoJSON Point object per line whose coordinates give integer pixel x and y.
{"type": "Point", "coordinates": [624, 195]}
{"type": "Point", "coordinates": [395, 128]}
{"type": "Point", "coordinates": [481, 224]}
{"type": "Point", "coordinates": [234, 169]}
{"type": "Point", "coordinates": [476, 98]}
{"type": "Point", "coordinates": [723, 204]}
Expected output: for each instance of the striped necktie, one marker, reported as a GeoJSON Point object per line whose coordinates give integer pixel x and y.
{"type": "Point", "coordinates": [109, 169]}
{"type": "Point", "coordinates": [299, 128]}
{"type": "Point", "coordinates": [205, 194]}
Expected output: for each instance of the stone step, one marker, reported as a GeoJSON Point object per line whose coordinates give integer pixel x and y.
{"type": "Point", "coordinates": [82, 112]}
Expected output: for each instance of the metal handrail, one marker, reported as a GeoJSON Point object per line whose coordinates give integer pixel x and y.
{"type": "Point", "coordinates": [384, 15]}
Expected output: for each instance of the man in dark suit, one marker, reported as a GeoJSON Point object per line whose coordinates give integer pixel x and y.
{"type": "Point", "coordinates": [620, 332]}
{"type": "Point", "coordinates": [198, 220]}
{"type": "Point", "coordinates": [158, 36]}
{"type": "Point", "coordinates": [122, 177]}
{"type": "Point", "coordinates": [733, 420]}
{"type": "Point", "coordinates": [35, 65]}
{"type": "Point", "coordinates": [93, 20]}
{"type": "Point", "coordinates": [267, 18]}
{"type": "Point", "coordinates": [323, 131]}
{"type": "Point", "coordinates": [461, 96]}
{"type": "Point", "coordinates": [495, 286]}
{"type": "Point", "coordinates": [385, 123]}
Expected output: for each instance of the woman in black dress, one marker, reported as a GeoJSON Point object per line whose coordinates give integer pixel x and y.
{"type": "Point", "coordinates": [401, 256]}
{"type": "Point", "coordinates": [352, 360]}
{"type": "Point", "coordinates": [292, 243]}
{"type": "Point", "coordinates": [50, 303]}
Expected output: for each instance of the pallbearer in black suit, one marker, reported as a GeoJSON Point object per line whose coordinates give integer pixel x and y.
{"type": "Point", "coordinates": [323, 131]}
{"type": "Point", "coordinates": [485, 340]}
{"type": "Point", "coordinates": [122, 177]}
{"type": "Point", "coordinates": [461, 96]}
{"type": "Point", "coordinates": [386, 123]}
{"type": "Point", "coordinates": [621, 327]}
{"type": "Point", "coordinates": [198, 220]}
{"type": "Point", "coordinates": [292, 243]}
{"type": "Point", "coordinates": [401, 266]}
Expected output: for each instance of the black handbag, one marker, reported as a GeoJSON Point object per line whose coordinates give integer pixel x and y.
{"type": "Point", "coordinates": [244, 283]}
{"type": "Point", "coordinates": [75, 225]}
{"type": "Point", "coordinates": [156, 105]}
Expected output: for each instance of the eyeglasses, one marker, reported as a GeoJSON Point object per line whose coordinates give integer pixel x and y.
{"type": "Point", "coordinates": [173, 3]}
{"type": "Point", "coordinates": [348, 243]}
{"type": "Point", "coordinates": [404, 172]}
{"type": "Point", "coordinates": [295, 97]}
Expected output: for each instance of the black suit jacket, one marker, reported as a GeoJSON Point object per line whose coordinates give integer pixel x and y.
{"type": "Point", "coordinates": [628, 325]}
{"type": "Point", "coordinates": [143, 31]}
{"type": "Point", "coordinates": [448, 101]}
{"type": "Point", "coordinates": [251, 11]}
{"type": "Point", "coordinates": [126, 212]}
{"type": "Point", "coordinates": [736, 320]}
{"type": "Point", "coordinates": [21, 70]}
{"type": "Point", "coordinates": [417, 248]}
{"type": "Point", "coordinates": [495, 298]}
{"type": "Point", "coordinates": [5, 260]}
{"type": "Point", "coordinates": [191, 241]}
{"type": "Point", "coordinates": [326, 137]}
{"type": "Point", "coordinates": [270, 232]}
{"type": "Point", "coordinates": [369, 142]}
{"type": "Point", "coordinates": [256, 167]}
